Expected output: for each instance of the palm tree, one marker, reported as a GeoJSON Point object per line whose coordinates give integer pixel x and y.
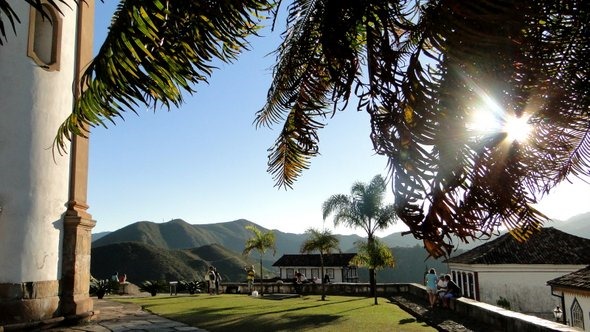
{"type": "Point", "coordinates": [325, 243]}
{"type": "Point", "coordinates": [421, 69]}
{"type": "Point", "coordinates": [260, 242]}
{"type": "Point", "coordinates": [374, 255]}
{"type": "Point", "coordinates": [364, 209]}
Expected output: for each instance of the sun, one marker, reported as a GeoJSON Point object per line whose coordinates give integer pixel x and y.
{"type": "Point", "coordinates": [489, 118]}
{"type": "Point", "coordinates": [517, 128]}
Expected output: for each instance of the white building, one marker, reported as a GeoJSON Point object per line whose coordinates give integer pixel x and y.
{"type": "Point", "coordinates": [44, 226]}
{"type": "Point", "coordinates": [573, 290]}
{"type": "Point", "coordinates": [518, 272]}
{"type": "Point", "coordinates": [336, 266]}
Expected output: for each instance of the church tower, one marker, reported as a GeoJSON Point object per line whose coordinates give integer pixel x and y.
{"type": "Point", "coordinates": [45, 231]}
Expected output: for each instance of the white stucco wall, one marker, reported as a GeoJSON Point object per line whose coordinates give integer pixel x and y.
{"type": "Point", "coordinates": [33, 181]}
{"type": "Point", "coordinates": [584, 302]}
{"type": "Point", "coordinates": [524, 286]}
{"type": "Point", "coordinates": [337, 272]}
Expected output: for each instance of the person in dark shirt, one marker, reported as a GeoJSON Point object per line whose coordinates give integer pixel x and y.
{"type": "Point", "coordinates": [453, 291]}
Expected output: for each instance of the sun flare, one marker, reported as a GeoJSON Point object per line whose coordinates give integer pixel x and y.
{"type": "Point", "coordinates": [490, 118]}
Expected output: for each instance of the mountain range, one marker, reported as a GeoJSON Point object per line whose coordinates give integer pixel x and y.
{"type": "Point", "coordinates": [177, 250]}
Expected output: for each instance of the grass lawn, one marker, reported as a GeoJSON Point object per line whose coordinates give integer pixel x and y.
{"type": "Point", "coordinates": [245, 313]}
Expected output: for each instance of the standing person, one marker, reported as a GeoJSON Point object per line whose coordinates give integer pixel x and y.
{"type": "Point", "coordinates": [211, 275]}
{"type": "Point", "coordinates": [431, 288]}
{"type": "Point", "coordinates": [250, 277]}
{"type": "Point", "coordinates": [217, 280]}
{"type": "Point", "coordinates": [326, 278]}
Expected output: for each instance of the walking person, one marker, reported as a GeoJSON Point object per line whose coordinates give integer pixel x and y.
{"type": "Point", "coordinates": [211, 283]}
{"type": "Point", "coordinates": [431, 288]}
{"type": "Point", "coordinates": [217, 281]}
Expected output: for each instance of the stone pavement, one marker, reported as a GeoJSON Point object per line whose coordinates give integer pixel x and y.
{"type": "Point", "coordinates": [115, 316]}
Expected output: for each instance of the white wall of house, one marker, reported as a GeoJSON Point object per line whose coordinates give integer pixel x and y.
{"type": "Point", "coordinates": [33, 180]}
{"type": "Point", "coordinates": [583, 303]}
{"type": "Point", "coordinates": [524, 286]}
{"type": "Point", "coordinates": [286, 272]}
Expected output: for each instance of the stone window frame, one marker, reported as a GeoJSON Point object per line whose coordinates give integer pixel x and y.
{"type": "Point", "coordinates": [56, 24]}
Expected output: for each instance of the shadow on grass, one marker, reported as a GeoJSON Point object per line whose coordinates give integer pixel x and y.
{"type": "Point", "coordinates": [220, 322]}
{"type": "Point", "coordinates": [407, 321]}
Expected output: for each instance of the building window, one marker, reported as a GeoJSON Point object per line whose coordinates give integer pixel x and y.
{"type": "Point", "coordinates": [330, 273]}
{"type": "Point", "coordinates": [303, 272]}
{"type": "Point", "coordinates": [45, 37]}
{"type": "Point", "coordinates": [577, 315]}
{"type": "Point", "coordinates": [290, 273]}
{"type": "Point", "coordinates": [315, 273]}
{"type": "Point", "coordinates": [471, 287]}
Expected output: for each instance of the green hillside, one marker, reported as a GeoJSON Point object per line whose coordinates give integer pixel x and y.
{"type": "Point", "coordinates": [145, 262]}
{"type": "Point", "coordinates": [178, 234]}
{"type": "Point", "coordinates": [177, 250]}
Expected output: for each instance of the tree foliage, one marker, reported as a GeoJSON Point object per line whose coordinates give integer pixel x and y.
{"type": "Point", "coordinates": [323, 242]}
{"type": "Point", "coordinates": [260, 242]}
{"type": "Point", "coordinates": [420, 68]}
{"type": "Point", "coordinates": [374, 255]}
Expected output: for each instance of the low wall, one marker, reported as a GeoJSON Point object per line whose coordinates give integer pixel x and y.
{"type": "Point", "coordinates": [487, 314]}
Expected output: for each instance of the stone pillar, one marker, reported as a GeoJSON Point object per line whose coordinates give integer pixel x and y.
{"type": "Point", "coordinates": [78, 224]}
{"type": "Point", "coordinates": [44, 250]}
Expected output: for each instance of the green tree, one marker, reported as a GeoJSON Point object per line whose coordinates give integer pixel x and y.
{"type": "Point", "coordinates": [363, 208]}
{"type": "Point", "coordinates": [323, 242]}
{"type": "Point", "coordinates": [260, 242]}
{"type": "Point", "coordinates": [421, 69]}
{"type": "Point", "coordinates": [375, 255]}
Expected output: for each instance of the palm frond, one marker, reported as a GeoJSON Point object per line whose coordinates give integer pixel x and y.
{"type": "Point", "coordinates": [7, 12]}
{"type": "Point", "coordinates": [155, 51]}
{"type": "Point", "coordinates": [427, 66]}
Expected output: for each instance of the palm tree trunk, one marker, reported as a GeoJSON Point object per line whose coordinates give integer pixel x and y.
{"type": "Point", "coordinates": [372, 282]}
{"type": "Point", "coordinates": [374, 286]}
{"type": "Point", "coordinates": [261, 283]}
{"type": "Point", "coordinates": [322, 276]}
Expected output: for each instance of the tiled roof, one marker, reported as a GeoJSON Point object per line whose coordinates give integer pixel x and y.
{"type": "Point", "coordinates": [314, 260]}
{"type": "Point", "coordinates": [579, 279]}
{"type": "Point", "coordinates": [548, 246]}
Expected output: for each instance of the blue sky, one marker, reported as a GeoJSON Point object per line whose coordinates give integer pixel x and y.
{"type": "Point", "coordinates": [206, 162]}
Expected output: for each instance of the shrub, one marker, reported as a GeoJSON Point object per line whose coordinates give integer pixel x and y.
{"type": "Point", "coordinates": [102, 287]}
{"type": "Point", "coordinates": [152, 287]}
{"type": "Point", "coordinates": [503, 303]}
{"type": "Point", "coordinates": [193, 287]}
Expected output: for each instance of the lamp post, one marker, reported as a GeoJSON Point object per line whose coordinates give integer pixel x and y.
{"type": "Point", "coordinates": [557, 313]}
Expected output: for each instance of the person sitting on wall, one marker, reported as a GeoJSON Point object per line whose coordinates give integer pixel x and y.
{"type": "Point", "coordinates": [298, 282]}
{"type": "Point", "coordinates": [453, 291]}
{"type": "Point", "coordinates": [441, 289]}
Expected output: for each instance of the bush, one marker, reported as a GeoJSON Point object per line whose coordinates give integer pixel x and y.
{"type": "Point", "coordinates": [503, 303]}
{"type": "Point", "coordinates": [152, 287]}
{"type": "Point", "coordinates": [102, 287]}
{"type": "Point", "coordinates": [193, 287]}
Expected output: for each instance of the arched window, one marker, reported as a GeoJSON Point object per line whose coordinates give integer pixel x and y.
{"type": "Point", "coordinates": [577, 315]}
{"type": "Point", "coordinates": [45, 37]}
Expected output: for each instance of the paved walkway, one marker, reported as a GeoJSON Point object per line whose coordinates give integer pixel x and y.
{"type": "Point", "coordinates": [115, 316]}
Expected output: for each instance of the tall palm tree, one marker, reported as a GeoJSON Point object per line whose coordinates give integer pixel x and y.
{"type": "Point", "coordinates": [419, 68]}
{"type": "Point", "coordinates": [260, 242]}
{"type": "Point", "coordinates": [374, 255]}
{"type": "Point", "coordinates": [363, 208]}
{"type": "Point", "coordinates": [323, 242]}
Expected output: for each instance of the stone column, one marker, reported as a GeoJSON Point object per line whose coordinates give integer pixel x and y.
{"type": "Point", "coordinates": [44, 227]}
{"type": "Point", "coordinates": [78, 224]}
